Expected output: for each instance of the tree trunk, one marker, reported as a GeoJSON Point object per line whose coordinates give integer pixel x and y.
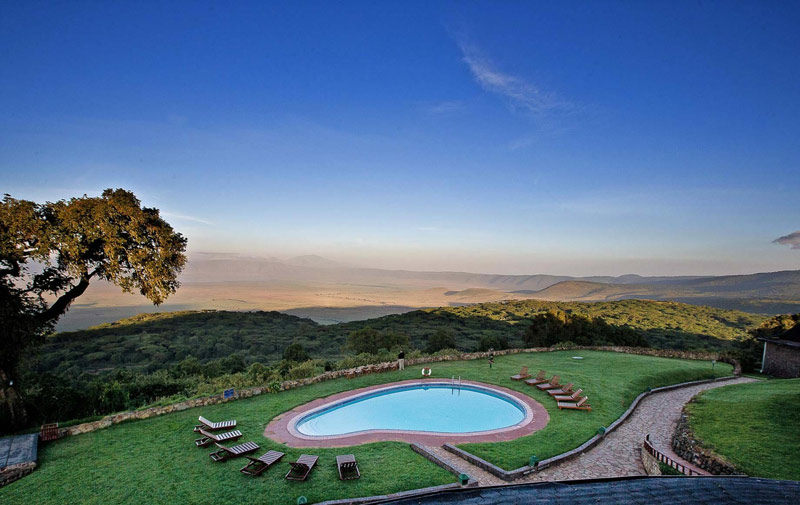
{"type": "Point", "coordinates": [12, 410]}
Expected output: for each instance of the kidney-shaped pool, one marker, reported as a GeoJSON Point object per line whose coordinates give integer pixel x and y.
{"type": "Point", "coordinates": [415, 411]}
{"type": "Point", "coordinates": [438, 408]}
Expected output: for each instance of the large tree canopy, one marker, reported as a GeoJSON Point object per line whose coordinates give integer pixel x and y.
{"type": "Point", "coordinates": [50, 252]}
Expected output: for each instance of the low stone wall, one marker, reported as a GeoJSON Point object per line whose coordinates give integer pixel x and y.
{"type": "Point", "coordinates": [369, 369]}
{"type": "Point", "coordinates": [650, 463]}
{"type": "Point", "coordinates": [685, 446]}
{"type": "Point", "coordinates": [13, 472]}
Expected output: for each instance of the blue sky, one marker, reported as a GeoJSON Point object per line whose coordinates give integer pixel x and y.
{"type": "Point", "coordinates": [511, 137]}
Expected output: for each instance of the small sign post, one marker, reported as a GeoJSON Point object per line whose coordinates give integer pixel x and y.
{"type": "Point", "coordinates": [228, 393]}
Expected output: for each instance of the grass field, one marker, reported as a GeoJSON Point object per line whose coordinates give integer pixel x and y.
{"type": "Point", "coordinates": [754, 426]}
{"type": "Point", "coordinates": [155, 461]}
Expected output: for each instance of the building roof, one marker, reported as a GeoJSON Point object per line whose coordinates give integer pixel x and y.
{"type": "Point", "coordinates": [627, 491]}
{"type": "Point", "coordinates": [789, 338]}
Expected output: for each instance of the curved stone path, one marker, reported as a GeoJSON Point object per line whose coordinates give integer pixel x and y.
{"type": "Point", "coordinates": [619, 453]}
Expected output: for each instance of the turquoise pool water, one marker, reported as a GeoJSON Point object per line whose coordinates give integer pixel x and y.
{"type": "Point", "coordinates": [433, 408]}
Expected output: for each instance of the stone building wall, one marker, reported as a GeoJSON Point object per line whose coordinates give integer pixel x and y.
{"type": "Point", "coordinates": [782, 361]}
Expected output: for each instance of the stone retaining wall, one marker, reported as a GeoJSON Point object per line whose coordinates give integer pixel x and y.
{"type": "Point", "coordinates": [368, 369]}
{"type": "Point", "coordinates": [685, 446]}
{"type": "Point", "coordinates": [650, 463]}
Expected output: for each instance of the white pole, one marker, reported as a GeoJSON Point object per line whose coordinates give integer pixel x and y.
{"type": "Point", "coordinates": [764, 357]}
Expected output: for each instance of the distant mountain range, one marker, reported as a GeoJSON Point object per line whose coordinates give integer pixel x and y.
{"type": "Point", "coordinates": [331, 292]}
{"type": "Point", "coordinates": [783, 285]}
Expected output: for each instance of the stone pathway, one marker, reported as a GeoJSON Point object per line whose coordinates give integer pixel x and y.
{"type": "Point", "coordinates": [619, 454]}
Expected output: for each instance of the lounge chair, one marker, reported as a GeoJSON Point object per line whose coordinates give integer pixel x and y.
{"type": "Point", "coordinates": [581, 405]}
{"type": "Point", "coordinates": [523, 374]}
{"type": "Point", "coordinates": [553, 384]}
{"type": "Point", "coordinates": [302, 467]}
{"type": "Point", "coordinates": [209, 426]}
{"type": "Point", "coordinates": [569, 398]}
{"type": "Point", "coordinates": [539, 379]}
{"type": "Point", "coordinates": [564, 390]}
{"type": "Point", "coordinates": [212, 437]}
{"type": "Point", "coordinates": [233, 452]}
{"type": "Point", "coordinates": [256, 466]}
{"type": "Point", "coordinates": [348, 467]}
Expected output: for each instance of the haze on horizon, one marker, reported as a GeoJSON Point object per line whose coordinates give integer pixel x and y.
{"type": "Point", "coordinates": [521, 138]}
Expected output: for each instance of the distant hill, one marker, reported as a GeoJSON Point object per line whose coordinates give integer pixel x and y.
{"type": "Point", "coordinates": [774, 287]}
{"type": "Point", "coordinates": [149, 342]}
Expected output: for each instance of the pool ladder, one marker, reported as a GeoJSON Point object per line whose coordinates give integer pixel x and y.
{"type": "Point", "coordinates": [455, 383]}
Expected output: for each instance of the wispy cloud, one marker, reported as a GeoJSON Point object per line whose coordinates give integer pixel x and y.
{"type": "Point", "coordinates": [521, 93]}
{"type": "Point", "coordinates": [792, 240]}
{"type": "Point", "coordinates": [447, 107]}
{"type": "Point", "coordinates": [183, 217]}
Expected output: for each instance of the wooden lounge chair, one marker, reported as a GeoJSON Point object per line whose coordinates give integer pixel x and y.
{"type": "Point", "coordinates": [256, 466]}
{"type": "Point", "coordinates": [207, 425]}
{"type": "Point", "coordinates": [564, 390]}
{"type": "Point", "coordinates": [569, 398]}
{"type": "Point", "coordinates": [212, 437]}
{"type": "Point", "coordinates": [539, 379]}
{"type": "Point", "coordinates": [581, 405]}
{"type": "Point", "coordinates": [348, 467]}
{"type": "Point", "coordinates": [523, 374]}
{"type": "Point", "coordinates": [553, 384]}
{"type": "Point", "coordinates": [302, 467]}
{"type": "Point", "coordinates": [233, 452]}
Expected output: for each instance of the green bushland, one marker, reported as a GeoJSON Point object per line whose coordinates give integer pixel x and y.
{"type": "Point", "coordinates": [754, 426]}
{"type": "Point", "coordinates": [150, 342]}
{"type": "Point", "coordinates": [154, 460]}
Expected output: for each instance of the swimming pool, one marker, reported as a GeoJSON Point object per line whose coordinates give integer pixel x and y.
{"type": "Point", "coordinates": [421, 407]}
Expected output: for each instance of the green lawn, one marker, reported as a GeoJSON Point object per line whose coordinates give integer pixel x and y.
{"type": "Point", "coordinates": [155, 461]}
{"type": "Point", "coordinates": [754, 426]}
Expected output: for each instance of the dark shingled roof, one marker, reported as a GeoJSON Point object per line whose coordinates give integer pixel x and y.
{"type": "Point", "coordinates": [627, 491]}
{"type": "Point", "coordinates": [790, 338]}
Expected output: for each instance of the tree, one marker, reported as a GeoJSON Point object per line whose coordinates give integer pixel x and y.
{"type": "Point", "coordinates": [296, 352]}
{"type": "Point", "coordinates": [371, 341]}
{"type": "Point", "coordinates": [49, 253]}
{"type": "Point", "coordinates": [492, 342]}
{"type": "Point", "coordinates": [441, 339]}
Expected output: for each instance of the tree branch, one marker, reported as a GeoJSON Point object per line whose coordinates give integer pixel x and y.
{"type": "Point", "coordinates": [61, 305]}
